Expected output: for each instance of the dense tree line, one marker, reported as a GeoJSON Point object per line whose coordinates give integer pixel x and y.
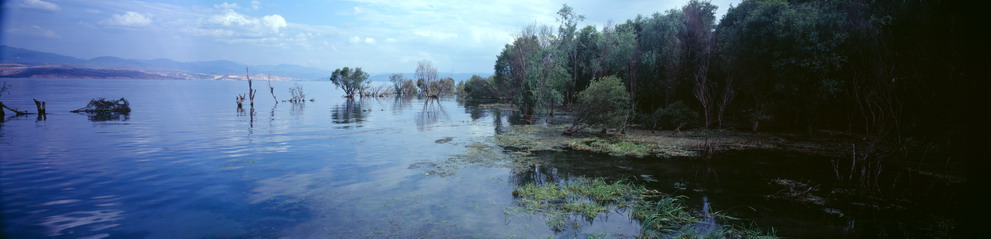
{"type": "Point", "coordinates": [887, 70]}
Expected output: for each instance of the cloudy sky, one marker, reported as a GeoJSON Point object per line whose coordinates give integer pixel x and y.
{"type": "Point", "coordinates": [382, 36]}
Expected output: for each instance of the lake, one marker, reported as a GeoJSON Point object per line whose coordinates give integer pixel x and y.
{"type": "Point", "coordinates": [185, 163]}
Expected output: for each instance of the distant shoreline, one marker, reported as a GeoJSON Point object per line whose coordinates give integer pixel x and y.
{"type": "Point", "coordinates": [71, 72]}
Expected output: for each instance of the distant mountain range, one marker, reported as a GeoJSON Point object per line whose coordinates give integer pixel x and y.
{"type": "Point", "coordinates": [24, 63]}
{"type": "Point", "coordinates": [30, 63]}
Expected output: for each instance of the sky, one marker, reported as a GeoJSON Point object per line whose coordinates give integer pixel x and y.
{"type": "Point", "coordinates": [381, 36]}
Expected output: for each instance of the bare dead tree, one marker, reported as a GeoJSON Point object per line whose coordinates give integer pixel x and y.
{"type": "Point", "coordinates": [240, 101]}
{"type": "Point", "coordinates": [700, 34]}
{"type": "Point", "coordinates": [272, 89]}
{"type": "Point", "coordinates": [729, 93]}
{"type": "Point", "coordinates": [427, 74]}
{"type": "Point", "coordinates": [251, 91]}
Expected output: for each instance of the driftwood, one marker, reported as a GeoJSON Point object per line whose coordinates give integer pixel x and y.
{"type": "Point", "coordinates": [16, 111]}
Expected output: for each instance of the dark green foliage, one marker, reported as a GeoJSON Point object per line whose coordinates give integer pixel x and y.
{"type": "Point", "coordinates": [479, 88]}
{"type": "Point", "coordinates": [891, 71]}
{"type": "Point", "coordinates": [675, 116]}
{"type": "Point", "coordinates": [351, 81]}
{"type": "Point", "coordinates": [530, 72]}
{"type": "Point", "coordinates": [402, 86]}
{"type": "Point", "coordinates": [103, 105]}
{"type": "Point", "coordinates": [445, 86]}
{"type": "Point", "coordinates": [605, 103]}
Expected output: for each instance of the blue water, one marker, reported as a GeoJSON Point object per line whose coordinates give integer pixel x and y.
{"type": "Point", "coordinates": [185, 163]}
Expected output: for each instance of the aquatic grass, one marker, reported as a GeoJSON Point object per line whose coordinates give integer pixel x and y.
{"type": "Point", "coordinates": [663, 216]}
{"type": "Point", "coordinates": [620, 146]}
{"type": "Point", "coordinates": [532, 138]}
{"type": "Point", "coordinates": [562, 204]}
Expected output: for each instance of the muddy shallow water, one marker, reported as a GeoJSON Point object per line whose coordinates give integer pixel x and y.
{"type": "Point", "coordinates": [185, 163]}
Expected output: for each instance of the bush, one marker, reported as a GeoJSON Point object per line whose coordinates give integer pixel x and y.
{"type": "Point", "coordinates": [605, 103]}
{"type": "Point", "coordinates": [479, 88]}
{"type": "Point", "coordinates": [676, 116]}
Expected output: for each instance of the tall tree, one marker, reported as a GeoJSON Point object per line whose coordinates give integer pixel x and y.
{"type": "Point", "coordinates": [426, 74]}
{"type": "Point", "coordinates": [699, 21]}
{"type": "Point", "coordinates": [351, 81]}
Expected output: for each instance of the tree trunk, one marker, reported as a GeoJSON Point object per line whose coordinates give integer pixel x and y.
{"type": "Point", "coordinates": [40, 105]}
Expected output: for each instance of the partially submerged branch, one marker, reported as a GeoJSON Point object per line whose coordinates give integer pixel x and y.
{"type": "Point", "coordinates": [16, 111]}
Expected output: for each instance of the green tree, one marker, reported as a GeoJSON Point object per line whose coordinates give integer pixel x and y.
{"type": "Point", "coordinates": [477, 87]}
{"type": "Point", "coordinates": [568, 47]}
{"type": "Point", "coordinates": [605, 103]}
{"type": "Point", "coordinates": [402, 86]}
{"type": "Point", "coordinates": [530, 72]}
{"type": "Point", "coordinates": [351, 81]}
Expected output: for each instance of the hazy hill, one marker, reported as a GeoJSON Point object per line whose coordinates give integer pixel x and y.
{"type": "Point", "coordinates": [13, 55]}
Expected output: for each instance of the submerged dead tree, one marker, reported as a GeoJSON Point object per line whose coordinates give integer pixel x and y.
{"type": "Point", "coordinates": [272, 89]}
{"type": "Point", "coordinates": [42, 112]}
{"type": "Point", "coordinates": [297, 94]}
{"type": "Point", "coordinates": [251, 91]}
{"type": "Point", "coordinates": [240, 101]}
{"type": "Point", "coordinates": [40, 105]}
{"type": "Point", "coordinates": [16, 111]}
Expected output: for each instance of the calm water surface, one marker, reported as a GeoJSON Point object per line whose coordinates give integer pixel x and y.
{"type": "Point", "coordinates": [186, 164]}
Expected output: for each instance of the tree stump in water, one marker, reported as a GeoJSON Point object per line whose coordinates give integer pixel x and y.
{"type": "Point", "coordinates": [240, 101]}
{"type": "Point", "coordinates": [40, 105]}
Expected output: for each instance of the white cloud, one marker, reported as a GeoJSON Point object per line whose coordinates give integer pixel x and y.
{"type": "Point", "coordinates": [267, 24]}
{"type": "Point", "coordinates": [39, 5]}
{"type": "Point", "coordinates": [255, 4]}
{"type": "Point", "coordinates": [369, 40]}
{"type": "Point", "coordinates": [227, 5]}
{"type": "Point", "coordinates": [390, 40]}
{"type": "Point", "coordinates": [232, 18]}
{"type": "Point", "coordinates": [129, 19]}
{"type": "Point", "coordinates": [274, 22]}
{"type": "Point", "coordinates": [355, 40]}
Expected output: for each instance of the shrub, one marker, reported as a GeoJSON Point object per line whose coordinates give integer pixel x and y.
{"type": "Point", "coordinates": [605, 103]}
{"type": "Point", "coordinates": [676, 116]}
{"type": "Point", "coordinates": [479, 88]}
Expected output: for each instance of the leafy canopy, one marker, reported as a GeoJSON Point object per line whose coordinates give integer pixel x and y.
{"type": "Point", "coordinates": [351, 81]}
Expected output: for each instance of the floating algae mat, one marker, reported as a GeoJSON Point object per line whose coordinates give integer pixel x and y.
{"type": "Point", "coordinates": [571, 204]}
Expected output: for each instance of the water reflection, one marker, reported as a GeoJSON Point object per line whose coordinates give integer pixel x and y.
{"type": "Point", "coordinates": [297, 108]}
{"type": "Point", "coordinates": [348, 112]}
{"type": "Point", "coordinates": [472, 108]}
{"type": "Point", "coordinates": [431, 113]}
{"type": "Point", "coordinates": [106, 116]}
{"type": "Point", "coordinates": [401, 103]}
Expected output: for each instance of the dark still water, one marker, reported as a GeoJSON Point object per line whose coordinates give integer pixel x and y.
{"type": "Point", "coordinates": [186, 164]}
